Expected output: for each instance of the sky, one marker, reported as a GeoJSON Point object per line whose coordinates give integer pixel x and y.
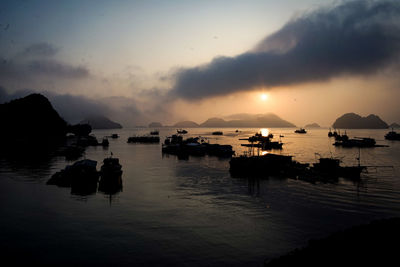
{"type": "Point", "coordinates": [141, 61]}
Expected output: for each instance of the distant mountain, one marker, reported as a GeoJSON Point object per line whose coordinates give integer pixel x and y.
{"type": "Point", "coordinates": [186, 124]}
{"type": "Point", "coordinates": [214, 122]}
{"type": "Point", "coordinates": [155, 125]}
{"type": "Point", "coordinates": [355, 121]}
{"type": "Point", "coordinates": [312, 125]}
{"type": "Point", "coordinates": [30, 118]}
{"type": "Point", "coordinates": [394, 125]}
{"type": "Point", "coordinates": [248, 120]}
{"type": "Point", "coordinates": [101, 122]}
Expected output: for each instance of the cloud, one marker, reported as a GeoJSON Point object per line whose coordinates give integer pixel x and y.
{"type": "Point", "coordinates": [352, 38]}
{"type": "Point", "coordinates": [37, 66]}
{"type": "Point", "coordinates": [40, 50]}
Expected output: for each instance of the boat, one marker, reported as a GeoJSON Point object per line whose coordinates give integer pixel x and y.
{"type": "Point", "coordinates": [144, 139]}
{"type": "Point", "coordinates": [265, 165]}
{"type": "Point", "coordinates": [392, 135]}
{"type": "Point", "coordinates": [301, 131]}
{"type": "Point", "coordinates": [263, 142]}
{"type": "Point", "coordinates": [111, 168]}
{"type": "Point", "coordinates": [110, 176]}
{"type": "Point", "coordinates": [81, 176]}
{"type": "Point", "coordinates": [155, 132]}
{"type": "Point", "coordinates": [356, 142]}
{"type": "Point", "coordinates": [181, 131]}
{"type": "Point", "coordinates": [114, 136]}
{"type": "Point", "coordinates": [194, 146]}
{"type": "Point", "coordinates": [343, 137]}
{"type": "Point", "coordinates": [330, 134]}
{"type": "Point", "coordinates": [217, 133]}
{"type": "Point", "coordinates": [105, 142]}
{"type": "Point", "coordinates": [330, 168]}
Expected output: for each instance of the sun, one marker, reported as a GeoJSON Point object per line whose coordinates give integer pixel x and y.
{"type": "Point", "coordinates": [264, 97]}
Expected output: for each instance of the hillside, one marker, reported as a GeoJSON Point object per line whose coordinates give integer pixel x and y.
{"type": "Point", "coordinates": [30, 117]}
{"type": "Point", "coordinates": [101, 122]}
{"type": "Point", "coordinates": [355, 121]}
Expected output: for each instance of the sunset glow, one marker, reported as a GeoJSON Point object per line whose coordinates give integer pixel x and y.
{"type": "Point", "coordinates": [264, 97]}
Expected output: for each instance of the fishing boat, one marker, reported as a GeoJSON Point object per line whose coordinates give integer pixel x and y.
{"type": "Point", "coordinates": [155, 132]}
{"type": "Point", "coordinates": [392, 135]}
{"type": "Point", "coordinates": [217, 133]}
{"type": "Point", "coordinates": [144, 139]}
{"type": "Point", "coordinates": [265, 165]}
{"type": "Point", "coordinates": [111, 168]}
{"type": "Point", "coordinates": [357, 142]}
{"type": "Point", "coordinates": [301, 131]}
{"type": "Point", "coordinates": [181, 131]}
{"type": "Point", "coordinates": [330, 168]}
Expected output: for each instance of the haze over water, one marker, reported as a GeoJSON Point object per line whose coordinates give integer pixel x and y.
{"type": "Point", "coordinates": [190, 212]}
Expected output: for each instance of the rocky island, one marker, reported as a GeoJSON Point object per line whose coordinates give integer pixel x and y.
{"type": "Point", "coordinates": [355, 121]}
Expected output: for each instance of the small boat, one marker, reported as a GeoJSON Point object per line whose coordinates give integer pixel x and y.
{"type": "Point", "coordinates": [301, 131]}
{"type": "Point", "coordinates": [105, 142]}
{"type": "Point", "coordinates": [217, 133]}
{"type": "Point", "coordinates": [341, 137]}
{"type": "Point", "coordinates": [330, 134]}
{"type": "Point", "coordinates": [181, 131]}
{"type": "Point", "coordinates": [392, 135]}
{"type": "Point", "coordinates": [114, 136]}
{"type": "Point", "coordinates": [81, 176]}
{"type": "Point", "coordinates": [155, 132]}
{"type": "Point", "coordinates": [111, 168]}
{"type": "Point", "coordinates": [144, 139]}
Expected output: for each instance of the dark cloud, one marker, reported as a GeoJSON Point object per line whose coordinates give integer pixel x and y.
{"type": "Point", "coordinates": [40, 50]}
{"type": "Point", "coordinates": [37, 66]}
{"type": "Point", "coordinates": [352, 38]}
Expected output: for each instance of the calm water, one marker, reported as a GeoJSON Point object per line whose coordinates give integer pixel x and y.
{"type": "Point", "coordinates": [189, 212]}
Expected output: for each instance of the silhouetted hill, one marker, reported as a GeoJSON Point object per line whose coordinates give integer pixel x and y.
{"type": "Point", "coordinates": [248, 120]}
{"type": "Point", "coordinates": [355, 121]}
{"type": "Point", "coordinates": [29, 118]}
{"type": "Point", "coordinates": [365, 245]}
{"type": "Point", "coordinates": [214, 122]}
{"type": "Point", "coordinates": [394, 125]}
{"type": "Point", "coordinates": [101, 122]}
{"type": "Point", "coordinates": [186, 124]}
{"type": "Point", "coordinates": [312, 125]}
{"type": "Point", "coordinates": [155, 125]}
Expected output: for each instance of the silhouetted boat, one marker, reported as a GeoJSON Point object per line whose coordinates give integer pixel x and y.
{"type": "Point", "coordinates": [114, 136]}
{"type": "Point", "coordinates": [81, 176]}
{"type": "Point", "coordinates": [194, 146]}
{"type": "Point", "coordinates": [263, 142]}
{"type": "Point", "coordinates": [343, 137]}
{"type": "Point", "coordinates": [217, 133]}
{"type": "Point", "coordinates": [111, 168]}
{"type": "Point", "coordinates": [392, 135]}
{"type": "Point", "coordinates": [181, 131]}
{"type": "Point", "coordinates": [356, 142]}
{"type": "Point", "coordinates": [144, 139]}
{"type": "Point", "coordinates": [301, 131]}
{"type": "Point", "coordinates": [155, 132]}
{"type": "Point", "coordinates": [105, 142]}
{"type": "Point", "coordinates": [265, 165]}
{"type": "Point", "coordinates": [330, 168]}
{"type": "Point", "coordinates": [330, 134]}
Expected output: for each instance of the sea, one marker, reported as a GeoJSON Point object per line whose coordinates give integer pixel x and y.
{"type": "Point", "coordinates": [191, 212]}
